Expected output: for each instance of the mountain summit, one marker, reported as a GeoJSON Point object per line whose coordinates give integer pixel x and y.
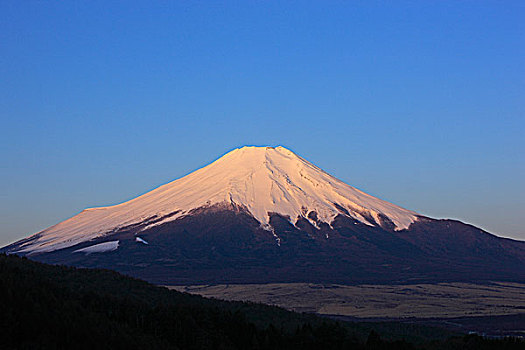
{"type": "Point", "coordinates": [261, 214]}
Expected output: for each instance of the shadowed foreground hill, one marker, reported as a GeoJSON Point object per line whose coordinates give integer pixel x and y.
{"type": "Point", "coordinates": [56, 307]}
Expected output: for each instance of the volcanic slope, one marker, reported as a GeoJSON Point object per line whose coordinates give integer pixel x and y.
{"type": "Point", "coordinates": [264, 214]}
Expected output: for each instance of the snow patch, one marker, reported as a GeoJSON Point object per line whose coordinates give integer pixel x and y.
{"type": "Point", "coordinates": [268, 227]}
{"type": "Point", "coordinates": [140, 240]}
{"type": "Point", "coordinates": [99, 248]}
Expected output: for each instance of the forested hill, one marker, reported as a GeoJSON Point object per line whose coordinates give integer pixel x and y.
{"type": "Point", "coordinates": [57, 307]}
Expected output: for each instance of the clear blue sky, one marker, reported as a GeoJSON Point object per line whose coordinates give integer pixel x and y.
{"type": "Point", "coordinates": [421, 103]}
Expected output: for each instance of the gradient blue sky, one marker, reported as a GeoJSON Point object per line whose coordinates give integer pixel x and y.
{"type": "Point", "coordinates": [421, 103]}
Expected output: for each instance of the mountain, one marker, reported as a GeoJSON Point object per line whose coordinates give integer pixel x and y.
{"type": "Point", "coordinates": [264, 214]}
{"type": "Point", "coordinates": [258, 180]}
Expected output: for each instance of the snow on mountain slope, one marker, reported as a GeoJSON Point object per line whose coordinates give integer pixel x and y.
{"type": "Point", "coordinates": [261, 180]}
{"type": "Point", "coordinates": [99, 248]}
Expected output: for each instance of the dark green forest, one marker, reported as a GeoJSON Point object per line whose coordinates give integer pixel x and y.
{"type": "Point", "coordinates": [57, 307]}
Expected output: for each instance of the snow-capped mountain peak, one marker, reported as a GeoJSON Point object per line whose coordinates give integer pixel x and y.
{"type": "Point", "coordinates": [261, 180]}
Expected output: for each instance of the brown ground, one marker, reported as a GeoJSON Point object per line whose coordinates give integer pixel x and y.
{"type": "Point", "coordinates": [378, 301]}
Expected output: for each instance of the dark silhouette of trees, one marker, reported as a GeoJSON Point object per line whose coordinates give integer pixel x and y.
{"type": "Point", "coordinates": [58, 307]}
